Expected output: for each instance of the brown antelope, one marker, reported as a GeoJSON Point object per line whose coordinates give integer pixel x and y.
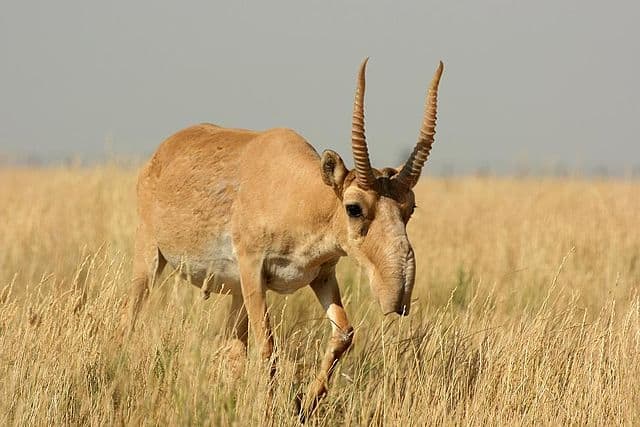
{"type": "Point", "coordinates": [242, 212]}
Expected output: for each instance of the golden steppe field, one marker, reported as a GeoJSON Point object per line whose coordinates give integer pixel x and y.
{"type": "Point", "coordinates": [526, 311]}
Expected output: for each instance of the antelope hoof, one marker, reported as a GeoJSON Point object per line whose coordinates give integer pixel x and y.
{"type": "Point", "coordinates": [305, 405]}
{"type": "Point", "coordinates": [298, 408]}
{"type": "Point", "coordinates": [303, 412]}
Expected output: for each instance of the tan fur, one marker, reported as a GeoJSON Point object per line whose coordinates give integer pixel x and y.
{"type": "Point", "coordinates": [242, 212]}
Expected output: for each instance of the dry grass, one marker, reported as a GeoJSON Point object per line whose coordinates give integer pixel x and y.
{"type": "Point", "coordinates": [528, 312]}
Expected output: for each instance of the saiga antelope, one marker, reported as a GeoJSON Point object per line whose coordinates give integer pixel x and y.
{"type": "Point", "coordinates": [242, 212]}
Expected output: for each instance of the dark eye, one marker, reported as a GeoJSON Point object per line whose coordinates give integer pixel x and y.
{"type": "Point", "coordinates": [354, 210]}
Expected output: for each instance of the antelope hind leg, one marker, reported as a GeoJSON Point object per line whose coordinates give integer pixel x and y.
{"type": "Point", "coordinates": [148, 264]}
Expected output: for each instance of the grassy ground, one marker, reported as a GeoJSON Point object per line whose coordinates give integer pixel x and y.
{"type": "Point", "coordinates": [527, 312]}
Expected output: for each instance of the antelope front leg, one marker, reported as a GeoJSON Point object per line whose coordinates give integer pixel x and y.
{"type": "Point", "coordinates": [326, 289]}
{"type": "Point", "coordinates": [255, 303]}
{"type": "Point", "coordinates": [237, 331]}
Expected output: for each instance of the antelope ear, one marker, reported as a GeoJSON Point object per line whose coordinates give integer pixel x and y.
{"type": "Point", "coordinates": [333, 170]}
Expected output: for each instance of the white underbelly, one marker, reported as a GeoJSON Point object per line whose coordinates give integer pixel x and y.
{"type": "Point", "coordinates": [217, 267]}
{"type": "Point", "coordinates": [286, 275]}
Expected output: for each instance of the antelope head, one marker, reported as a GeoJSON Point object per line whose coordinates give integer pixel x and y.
{"type": "Point", "coordinates": [378, 203]}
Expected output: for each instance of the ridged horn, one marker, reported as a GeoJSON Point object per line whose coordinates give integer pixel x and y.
{"type": "Point", "coordinates": [364, 174]}
{"type": "Point", "coordinates": [410, 172]}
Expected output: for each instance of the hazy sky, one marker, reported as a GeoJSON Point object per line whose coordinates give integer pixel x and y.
{"type": "Point", "coordinates": [539, 82]}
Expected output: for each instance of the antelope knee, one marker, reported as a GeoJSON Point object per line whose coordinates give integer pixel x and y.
{"type": "Point", "coordinates": [342, 340]}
